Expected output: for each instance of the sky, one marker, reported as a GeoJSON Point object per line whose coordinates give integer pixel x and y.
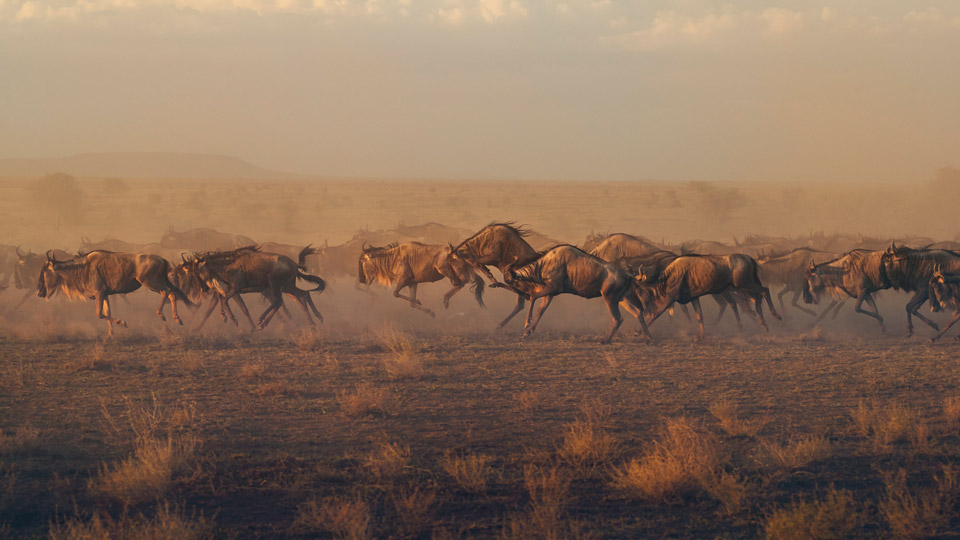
{"type": "Point", "coordinates": [841, 90]}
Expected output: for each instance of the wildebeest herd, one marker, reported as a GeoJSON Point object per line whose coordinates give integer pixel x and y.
{"type": "Point", "coordinates": [646, 278]}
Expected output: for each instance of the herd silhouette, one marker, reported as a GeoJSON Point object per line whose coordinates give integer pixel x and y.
{"type": "Point", "coordinates": [644, 277]}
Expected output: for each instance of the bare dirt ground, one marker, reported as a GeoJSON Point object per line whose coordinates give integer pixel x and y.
{"type": "Point", "coordinates": [404, 427]}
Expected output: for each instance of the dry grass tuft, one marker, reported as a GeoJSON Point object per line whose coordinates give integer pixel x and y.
{"type": "Point", "coordinates": [549, 490]}
{"type": "Point", "coordinates": [365, 399]}
{"type": "Point", "coordinates": [796, 453]}
{"type": "Point", "coordinates": [415, 510]}
{"type": "Point", "coordinates": [309, 340]}
{"type": "Point", "coordinates": [526, 401]}
{"type": "Point", "coordinates": [145, 421]}
{"type": "Point", "coordinates": [679, 463]}
{"type": "Point", "coordinates": [147, 474]}
{"type": "Point", "coordinates": [726, 412]}
{"type": "Point", "coordinates": [884, 425]}
{"type": "Point", "coordinates": [403, 359]}
{"type": "Point", "coordinates": [921, 514]}
{"type": "Point", "coordinates": [98, 359]}
{"type": "Point", "coordinates": [166, 524]}
{"type": "Point", "coordinates": [387, 461]}
{"type": "Point", "coordinates": [585, 446]}
{"type": "Point", "coordinates": [836, 516]}
{"type": "Point", "coordinates": [471, 472]}
{"type": "Point", "coordinates": [731, 489]}
{"type": "Point", "coordinates": [344, 518]}
{"type": "Point", "coordinates": [23, 440]}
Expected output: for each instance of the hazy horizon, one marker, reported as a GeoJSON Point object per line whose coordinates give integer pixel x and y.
{"type": "Point", "coordinates": [579, 90]}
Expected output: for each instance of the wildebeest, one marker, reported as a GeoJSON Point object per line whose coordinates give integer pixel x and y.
{"type": "Point", "coordinates": [631, 253]}
{"type": "Point", "coordinates": [945, 294]}
{"type": "Point", "coordinates": [27, 270]}
{"type": "Point", "coordinates": [788, 270]}
{"type": "Point", "coordinates": [100, 274]}
{"type": "Point", "coordinates": [568, 269]}
{"type": "Point", "coordinates": [501, 245]}
{"type": "Point", "coordinates": [247, 269]}
{"type": "Point", "coordinates": [618, 246]}
{"type": "Point", "coordinates": [857, 274]}
{"type": "Point", "coordinates": [689, 277]}
{"type": "Point", "coordinates": [411, 263]}
{"type": "Point", "coordinates": [203, 239]}
{"type": "Point", "coordinates": [910, 270]}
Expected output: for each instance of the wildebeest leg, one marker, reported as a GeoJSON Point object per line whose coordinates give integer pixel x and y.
{"type": "Point", "coordinates": [956, 317]}
{"type": "Point", "coordinates": [780, 295]}
{"type": "Point", "coordinates": [456, 288]}
{"type": "Point", "coordinates": [544, 304]}
{"type": "Point", "coordinates": [836, 310]}
{"type": "Point", "coordinates": [613, 305]}
{"type": "Point", "coordinates": [303, 304]}
{"type": "Point", "coordinates": [276, 299]}
{"type": "Point", "coordinates": [876, 314]}
{"type": "Point", "coordinates": [103, 312]}
{"type": "Point", "coordinates": [795, 303]}
{"type": "Point", "coordinates": [414, 303]}
{"type": "Point", "coordinates": [729, 299]}
{"type": "Point", "coordinates": [303, 298]}
{"type": "Point", "coordinates": [773, 311]}
{"type": "Point", "coordinates": [722, 302]}
{"type": "Point", "coordinates": [698, 311]}
{"type": "Point", "coordinates": [224, 299]}
{"type": "Point", "coordinates": [516, 309]}
{"type": "Point", "coordinates": [758, 305]}
{"type": "Point", "coordinates": [913, 308]}
{"type": "Point", "coordinates": [633, 305]}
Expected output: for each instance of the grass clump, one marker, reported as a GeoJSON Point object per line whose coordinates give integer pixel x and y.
{"type": "Point", "coordinates": [836, 516]}
{"type": "Point", "coordinates": [166, 524]}
{"type": "Point", "coordinates": [146, 475]}
{"type": "Point", "coordinates": [796, 453]}
{"type": "Point", "coordinates": [923, 512]}
{"type": "Point", "coordinates": [726, 412]}
{"type": "Point", "coordinates": [345, 518]}
{"type": "Point", "coordinates": [676, 464]}
{"type": "Point", "coordinates": [470, 472]}
{"type": "Point", "coordinates": [365, 399]}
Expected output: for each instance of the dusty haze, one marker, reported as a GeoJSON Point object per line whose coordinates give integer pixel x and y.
{"type": "Point", "coordinates": [509, 89]}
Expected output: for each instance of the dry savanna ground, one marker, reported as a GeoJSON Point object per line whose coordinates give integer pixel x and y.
{"type": "Point", "coordinates": [395, 432]}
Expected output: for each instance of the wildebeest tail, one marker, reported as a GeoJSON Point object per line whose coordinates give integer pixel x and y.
{"type": "Point", "coordinates": [302, 258]}
{"type": "Point", "coordinates": [477, 288]}
{"type": "Point", "coordinates": [321, 284]}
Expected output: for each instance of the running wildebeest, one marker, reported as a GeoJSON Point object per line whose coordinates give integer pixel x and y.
{"type": "Point", "coordinates": [631, 253]}
{"type": "Point", "coordinates": [100, 274]}
{"type": "Point", "coordinates": [910, 270]}
{"type": "Point", "coordinates": [788, 270]}
{"type": "Point", "coordinates": [501, 245]}
{"type": "Point", "coordinates": [247, 269]}
{"type": "Point", "coordinates": [689, 277]}
{"type": "Point", "coordinates": [411, 263]}
{"type": "Point", "coordinates": [568, 269]}
{"type": "Point", "coordinates": [857, 274]}
{"type": "Point", "coordinates": [27, 270]}
{"type": "Point", "coordinates": [945, 294]}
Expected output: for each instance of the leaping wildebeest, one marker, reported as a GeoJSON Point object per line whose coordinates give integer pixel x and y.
{"type": "Point", "coordinates": [945, 294]}
{"type": "Point", "coordinates": [568, 269]}
{"type": "Point", "coordinates": [501, 245]}
{"type": "Point", "coordinates": [689, 277]}
{"type": "Point", "coordinates": [857, 274]}
{"type": "Point", "coordinates": [244, 270]}
{"type": "Point", "coordinates": [411, 263]}
{"type": "Point", "coordinates": [910, 270]}
{"type": "Point", "coordinates": [99, 274]}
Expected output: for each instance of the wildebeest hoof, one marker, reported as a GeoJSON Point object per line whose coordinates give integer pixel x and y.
{"type": "Point", "coordinates": [179, 321]}
{"type": "Point", "coordinates": [431, 314]}
{"type": "Point", "coordinates": [935, 326]}
{"type": "Point", "coordinates": [122, 323]}
{"type": "Point", "coordinates": [162, 318]}
{"type": "Point", "coordinates": [933, 339]}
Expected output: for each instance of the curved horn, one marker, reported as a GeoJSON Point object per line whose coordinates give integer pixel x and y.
{"type": "Point", "coordinates": [183, 257]}
{"type": "Point", "coordinates": [363, 247]}
{"type": "Point", "coordinates": [20, 255]}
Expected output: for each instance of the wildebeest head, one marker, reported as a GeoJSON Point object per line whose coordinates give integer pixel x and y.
{"type": "Point", "coordinates": [812, 284]}
{"type": "Point", "coordinates": [49, 279]}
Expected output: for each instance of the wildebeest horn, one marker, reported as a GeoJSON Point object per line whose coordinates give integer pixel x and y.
{"type": "Point", "coordinates": [183, 257]}
{"type": "Point", "coordinates": [363, 247]}
{"type": "Point", "coordinates": [21, 255]}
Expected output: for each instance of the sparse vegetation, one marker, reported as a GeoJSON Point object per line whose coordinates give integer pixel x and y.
{"type": "Point", "coordinates": [833, 517]}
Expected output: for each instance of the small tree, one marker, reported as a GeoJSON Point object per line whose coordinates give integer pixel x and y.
{"type": "Point", "coordinates": [61, 195]}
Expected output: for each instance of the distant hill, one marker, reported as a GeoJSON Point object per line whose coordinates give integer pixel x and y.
{"type": "Point", "coordinates": [141, 165]}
